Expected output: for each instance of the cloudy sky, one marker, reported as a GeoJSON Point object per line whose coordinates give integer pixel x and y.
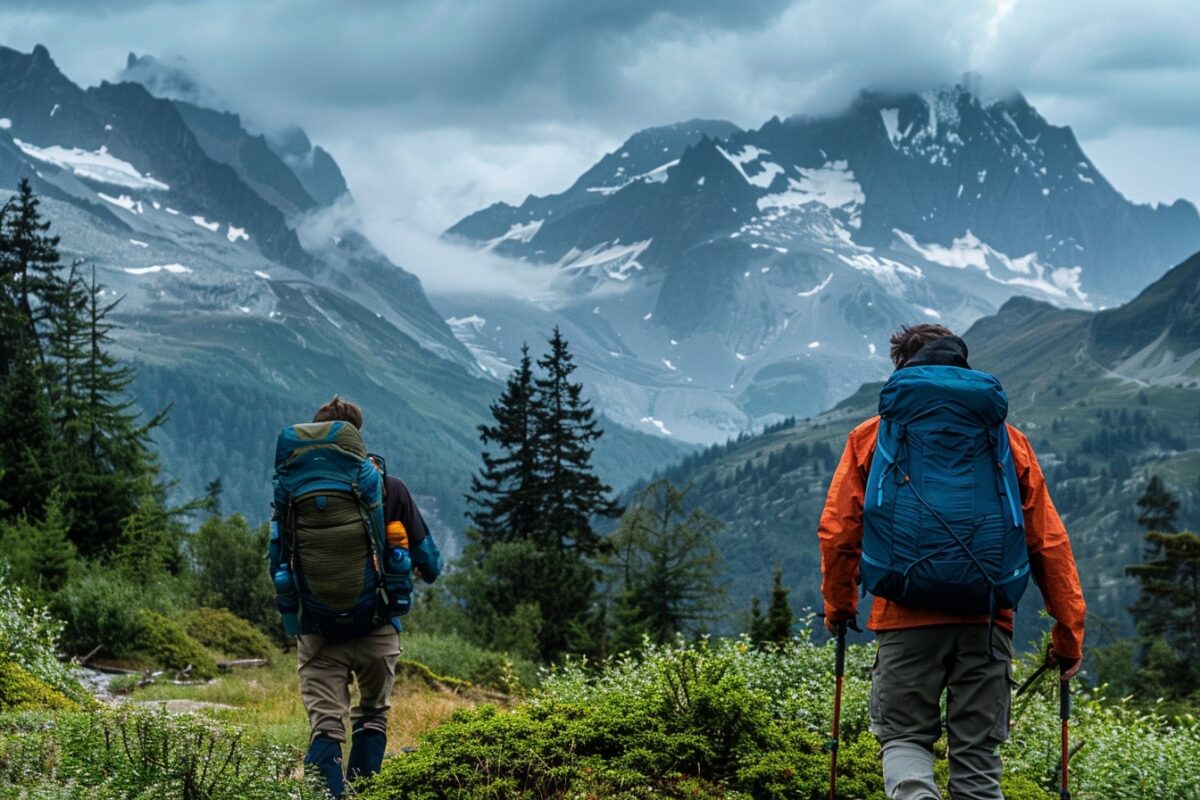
{"type": "Point", "coordinates": [435, 108]}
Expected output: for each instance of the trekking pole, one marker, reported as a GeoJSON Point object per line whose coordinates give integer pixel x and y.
{"type": "Point", "coordinates": [839, 671]}
{"type": "Point", "coordinates": [1064, 714]}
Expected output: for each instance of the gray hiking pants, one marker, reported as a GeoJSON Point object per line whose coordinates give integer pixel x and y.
{"type": "Point", "coordinates": [326, 670]}
{"type": "Point", "coordinates": [912, 669]}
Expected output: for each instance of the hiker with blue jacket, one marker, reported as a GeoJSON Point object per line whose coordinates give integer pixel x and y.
{"type": "Point", "coordinates": [940, 509]}
{"type": "Point", "coordinates": [346, 538]}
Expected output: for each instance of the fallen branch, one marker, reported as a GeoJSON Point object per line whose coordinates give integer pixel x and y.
{"type": "Point", "coordinates": [83, 661]}
{"type": "Point", "coordinates": [243, 662]}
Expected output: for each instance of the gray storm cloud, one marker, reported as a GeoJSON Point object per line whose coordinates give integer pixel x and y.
{"type": "Point", "coordinates": [435, 108]}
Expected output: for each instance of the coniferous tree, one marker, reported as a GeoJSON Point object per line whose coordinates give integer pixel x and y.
{"type": "Point", "coordinates": [566, 433]}
{"type": "Point", "coordinates": [31, 255]}
{"type": "Point", "coordinates": [532, 545]}
{"type": "Point", "coordinates": [1167, 611]}
{"type": "Point", "coordinates": [758, 633]}
{"type": "Point", "coordinates": [1159, 508]}
{"type": "Point", "coordinates": [115, 469]}
{"type": "Point", "coordinates": [779, 618]}
{"type": "Point", "coordinates": [66, 422]}
{"type": "Point", "coordinates": [665, 566]}
{"type": "Point", "coordinates": [507, 492]}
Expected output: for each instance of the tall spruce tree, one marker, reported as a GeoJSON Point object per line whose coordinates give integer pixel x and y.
{"type": "Point", "coordinates": [567, 429]}
{"type": "Point", "coordinates": [507, 494]}
{"type": "Point", "coordinates": [532, 545]}
{"type": "Point", "coordinates": [28, 258]}
{"type": "Point", "coordinates": [114, 470]}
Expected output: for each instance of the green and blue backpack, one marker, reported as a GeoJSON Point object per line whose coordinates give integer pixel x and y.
{"type": "Point", "coordinates": [333, 570]}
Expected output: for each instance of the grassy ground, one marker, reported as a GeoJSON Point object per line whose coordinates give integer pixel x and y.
{"type": "Point", "coordinates": [267, 701]}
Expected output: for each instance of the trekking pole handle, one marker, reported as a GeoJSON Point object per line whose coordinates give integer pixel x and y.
{"type": "Point", "coordinates": [1064, 700]}
{"type": "Point", "coordinates": [839, 665]}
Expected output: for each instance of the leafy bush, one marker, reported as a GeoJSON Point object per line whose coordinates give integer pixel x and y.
{"type": "Point", "coordinates": [21, 691]}
{"type": "Point", "coordinates": [132, 752]}
{"type": "Point", "coordinates": [100, 607]}
{"type": "Point", "coordinates": [221, 630]}
{"type": "Point", "coordinates": [168, 644]}
{"type": "Point", "coordinates": [682, 722]}
{"type": "Point", "coordinates": [230, 561]}
{"type": "Point", "coordinates": [29, 654]}
{"type": "Point", "coordinates": [449, 654]}
{"type": "Point", "coordinates": [725, 720]}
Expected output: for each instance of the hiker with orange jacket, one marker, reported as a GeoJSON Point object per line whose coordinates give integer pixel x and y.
{"type": "Point", "coordinates": [940, 509]}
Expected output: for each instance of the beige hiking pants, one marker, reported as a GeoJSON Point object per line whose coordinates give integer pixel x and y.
{"type": "Point", "coordinates": [913, 668]}
{"type": "Point", "coordinates": [326, 671]}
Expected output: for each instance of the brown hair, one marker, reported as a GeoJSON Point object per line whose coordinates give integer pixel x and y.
{"type": "Point", "coordinates": [338, 409]}
{"type": "Point", "coordinates": [911, 338]}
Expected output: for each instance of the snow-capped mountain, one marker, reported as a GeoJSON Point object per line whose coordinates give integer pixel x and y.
{"type": "Point", "coordinates": [722, 278]}
{"type": "Point", "coordinates": [236, 311]}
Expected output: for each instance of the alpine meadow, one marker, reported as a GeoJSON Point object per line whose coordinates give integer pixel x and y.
{"type": "Point", "coordinates": [573, 400]}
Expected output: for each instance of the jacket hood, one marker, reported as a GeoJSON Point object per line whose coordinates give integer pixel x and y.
{"type": "Point", "coordinates": [949, 351]}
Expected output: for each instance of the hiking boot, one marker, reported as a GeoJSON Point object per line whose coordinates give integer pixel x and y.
{"type": "Point", "coordinates": [366, 754]}
{"type": "Point", "coordinates": [325, 756]}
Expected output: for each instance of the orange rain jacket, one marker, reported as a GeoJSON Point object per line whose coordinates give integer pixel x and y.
{"type": "Point", "coordinates": [1050, 558]}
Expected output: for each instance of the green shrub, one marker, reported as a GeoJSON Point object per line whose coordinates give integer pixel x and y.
{"type": "Point", "coordinates": [683, 722]}
{"type": "Point", "coordinates": [139, 754]}
{"type": "Point", "coordinates": [723, 719]}
{"type": "Point", "coordinates": [100, 607]}
{"type": "Point", "coordinates": [168, 644]}
{"type": "Point", "coordinates": [221, 630]}
{"type": "Point", "coordinates": [230, 560]}
{"type": "Point", "coordinates": [29, 652]}
{"type": "Point", "coordinates": [21, 691]}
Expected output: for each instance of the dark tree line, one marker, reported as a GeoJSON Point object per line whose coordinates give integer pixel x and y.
{"type": "Point", "coordinates": [71, 445]}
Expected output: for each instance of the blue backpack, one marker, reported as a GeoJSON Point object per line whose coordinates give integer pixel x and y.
{"type": "Point", "coordinates": [333, 570]}
{"type": "Point", "coordinates": [942, 520]}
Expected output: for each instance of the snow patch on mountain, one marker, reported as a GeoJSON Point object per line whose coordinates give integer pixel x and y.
{"type": "Point", "coordinates": [748, 155]}
{"type": "Point", "coordinates": [656, 175]}
{"type": "Point", "coordinates": [519, 232]}
{"type": "Point", "coordinates": [658, 423]}
{"type": "Point", "coordinates": [470, 331]}
{"type": "Point", "coordinates": [817, 288]}
{"type": "Point", "coordinates": [831, 185]}
{"type": "Point", "coordinates": [176, 269]}
{"type": "Point", "coordinates": [968, 251]}
{"type": "Point", "coordinates": [99, 165]}
{"type": "Point", "coordinates": [234, 234]}
{"type": "Point", "coordinates": [891, 123]}
{"type": "Point", "coordinates": [616, 261]}
{"type": "Point", "coordinates": [124, 201]}
{"type": "Point", "coordinates": [203, 223]}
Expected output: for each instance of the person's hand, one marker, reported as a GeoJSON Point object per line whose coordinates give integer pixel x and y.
{"type": "Point", "coordinates": [1068, 667]}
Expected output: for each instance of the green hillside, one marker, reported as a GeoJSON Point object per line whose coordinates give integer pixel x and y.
{"type": "Point", "coordinates": [232, 381]}
{"type": "Point", "coordinates": [1107, 399]}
